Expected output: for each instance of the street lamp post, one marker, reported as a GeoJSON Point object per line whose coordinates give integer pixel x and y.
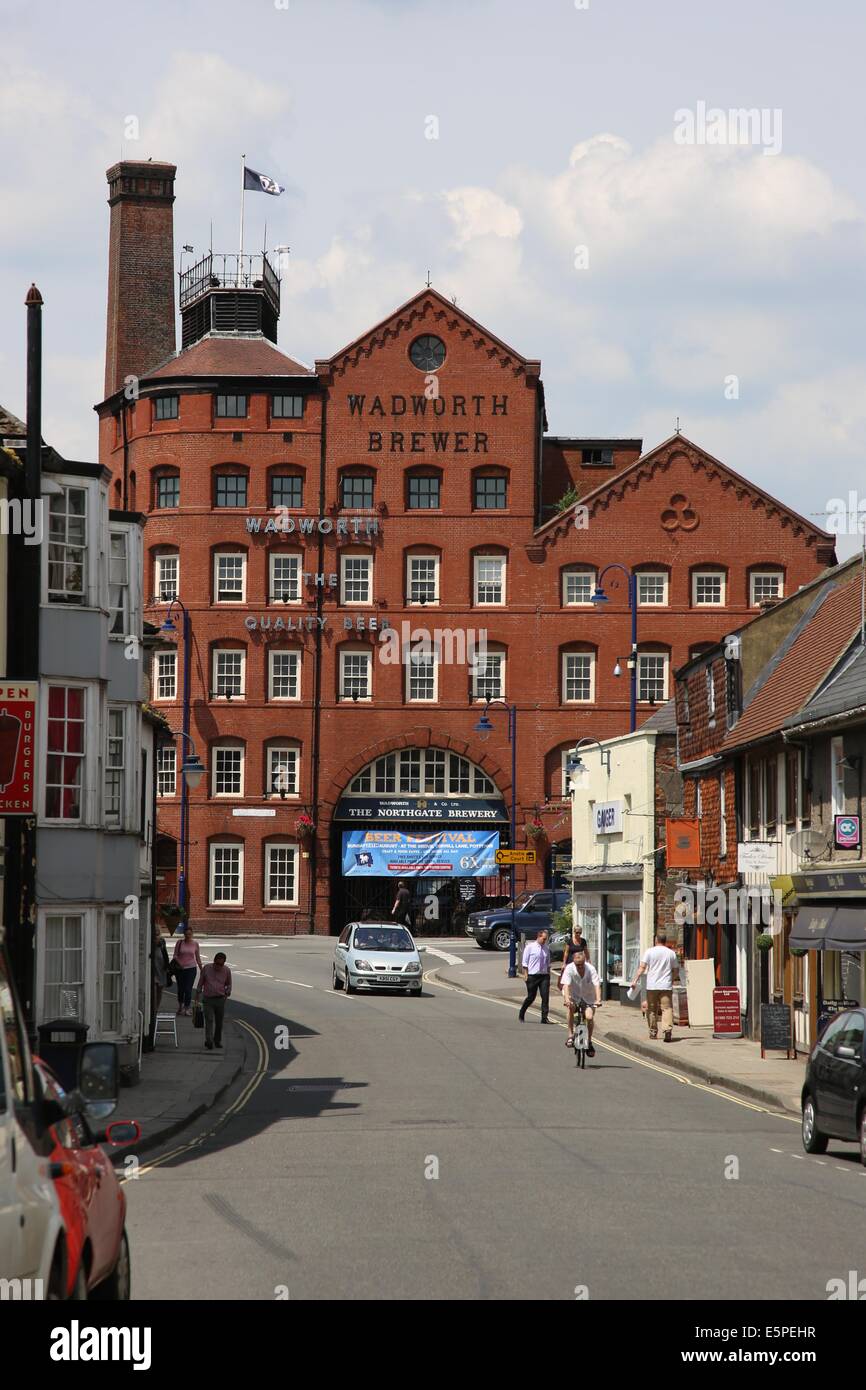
{"type": "Point", "coordinates": [192, 770]}
{"type": "Point", "coordinates": [484, 728]}
{"type": "Point", "coordinates": [168, 627]}
{"type": "Point", "coordinates": [600, 597]}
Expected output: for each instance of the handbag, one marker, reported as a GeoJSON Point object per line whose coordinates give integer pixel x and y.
{"type": "Point", "coordinates": [197, 1015]}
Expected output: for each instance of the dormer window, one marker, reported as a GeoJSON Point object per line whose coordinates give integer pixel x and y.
{"type": "Point", "coordinates": [231, 407]}
{"type": "Point", "coordinates": [287, 407]}
{"type": "Point", "coordinates": [165, 407]}
{"type": "Point", "coordinates": [596, 458]}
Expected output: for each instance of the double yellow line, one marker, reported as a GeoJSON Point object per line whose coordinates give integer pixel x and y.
{"type": "Point", "coordinates": [252, 1085]}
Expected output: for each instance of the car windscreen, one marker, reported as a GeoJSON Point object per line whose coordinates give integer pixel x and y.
{"type": "Point", "coordinates": [521, 900]}
{"type": "Point", "coordinates": [382, 939]}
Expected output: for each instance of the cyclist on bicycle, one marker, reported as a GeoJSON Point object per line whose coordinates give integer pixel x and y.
{"type": "Point", "coordinates": [580, 980]}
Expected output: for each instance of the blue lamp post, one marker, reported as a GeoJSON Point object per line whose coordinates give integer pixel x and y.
{"type": "Point", "coordinates": [169, 627]}
{"type": "Point", "coordinates": [484, 729]}
{"type": "Point", "coordinates": [599, 598]}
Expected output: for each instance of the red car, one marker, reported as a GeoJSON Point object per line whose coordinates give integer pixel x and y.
{"type": "Point", "coordinates": [92, 1202]}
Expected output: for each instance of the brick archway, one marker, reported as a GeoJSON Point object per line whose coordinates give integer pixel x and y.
{"type": "Point", "coordinates": [420, 737]}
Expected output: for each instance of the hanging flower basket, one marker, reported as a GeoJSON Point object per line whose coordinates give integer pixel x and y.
{"type": "Point", "coordinates": [764, 941]}
{"type": "Point", "coordinates": [798, 950]}
{"type": "Point", "coordinates": [304, 826]}
{"type": "Point", "coordinates": [172, 914]}
{"type": "Point", "coordinates": [535, 830]}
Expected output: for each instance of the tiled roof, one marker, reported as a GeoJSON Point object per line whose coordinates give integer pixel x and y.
{"type": "Point", "coordinates": [10, 426]}
{"type": "Point", "coordinates": [846, 691]}
{"type": "Point", "coordinates": [664, 721]}
{"type": "Point", "coordinates": [814, 650]}
{"type": "Point", "coordinates": [235, 355]}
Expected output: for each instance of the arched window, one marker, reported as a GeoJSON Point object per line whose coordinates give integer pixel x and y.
{"type": "Point", "coordinates": [420, 772]}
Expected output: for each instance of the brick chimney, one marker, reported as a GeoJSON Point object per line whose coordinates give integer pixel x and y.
{"type": "Point", "coordinates": [140, 331]}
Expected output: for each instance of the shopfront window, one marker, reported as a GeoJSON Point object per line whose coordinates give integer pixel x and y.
{"type": "Point", "coordinates": [622, 937]}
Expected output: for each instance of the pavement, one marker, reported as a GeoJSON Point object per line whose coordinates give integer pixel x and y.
{"type": "Point", "coordinates": [732, 1064]}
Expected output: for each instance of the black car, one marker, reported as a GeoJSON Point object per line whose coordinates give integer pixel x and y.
{"type": "Point", "coordinates": [533, 912]}
{"type": "Point", "coordinates": [834, 1091]}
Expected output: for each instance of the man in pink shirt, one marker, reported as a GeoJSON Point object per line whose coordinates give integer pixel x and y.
{"type": "Point", "coordinates": [215, 985]}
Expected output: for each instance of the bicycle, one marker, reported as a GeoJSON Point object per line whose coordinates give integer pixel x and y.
{"type": "Point", "coordinates": [581, 1033]}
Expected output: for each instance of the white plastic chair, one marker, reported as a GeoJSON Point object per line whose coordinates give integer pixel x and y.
{"type": "Point", "coordinates": [166, 1024]}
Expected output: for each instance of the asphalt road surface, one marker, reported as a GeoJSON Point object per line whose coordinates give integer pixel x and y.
{"type": "Point", "coordinates": [434, 1148]}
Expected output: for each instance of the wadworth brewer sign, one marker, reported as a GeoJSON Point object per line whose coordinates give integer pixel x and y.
{"type": "Point", "coordinates": [18, 747]}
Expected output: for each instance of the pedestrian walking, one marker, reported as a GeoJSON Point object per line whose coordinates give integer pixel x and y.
{"type": "Point", "coordinates": [536, 973]}
{"type": "Point", "coordinates": [661, 967]}
{"type": "Point", "coordinates": [187, 958]}
{"type": "Point", "coordinates": [400, 910]}
{"type": "Point", "coordinates": [215, 986]}
{"type": "Point", "coordinates": [161, 968]}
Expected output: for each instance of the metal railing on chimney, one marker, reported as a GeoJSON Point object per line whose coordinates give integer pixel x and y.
{"type": "Point", "coordinates": [230, 272]}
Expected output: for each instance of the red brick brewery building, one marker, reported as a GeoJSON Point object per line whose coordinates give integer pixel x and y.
{"type": "Point", "coordinates": [316, 521]}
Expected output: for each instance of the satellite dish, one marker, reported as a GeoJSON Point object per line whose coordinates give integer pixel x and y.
{"type": "Point", "coordinates": [808, 845]}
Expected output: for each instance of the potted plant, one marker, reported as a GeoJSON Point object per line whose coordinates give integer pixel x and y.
{"type": "Point", "coordinates": [764, 941]}
{"type": "Point", "coordinates": [798, 950]}
{"type": "Point", "coordinates": [172, 915]}
{"type": "Point", "coordinates": [534, 829]}
{"type": "Point", "coordinates": [304, 826]}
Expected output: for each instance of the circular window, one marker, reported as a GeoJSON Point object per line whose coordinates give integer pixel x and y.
{"type": "Point", "coordinates": [427, 353]}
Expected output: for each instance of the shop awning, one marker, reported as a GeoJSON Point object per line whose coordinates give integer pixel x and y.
{"type": "Point", "coordinates": [847, 930]}
{"type": "Point", "coordinates": [811, 923]}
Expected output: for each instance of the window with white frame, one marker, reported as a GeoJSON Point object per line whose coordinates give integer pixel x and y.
{"type": "Point", "coordinates": [63, 966]}
{"type": "Point", "coordinates": [489, 580]}
{"type": "Point", "coordinates": [356, 574]}
{"type": "Point", "coordinates": [837, 776]}
{"type": "Point", "coordinates": [422, 579]}
{"type": "Point", "coordinates": [228, 672]}
{"type": "Point", "coordinates": [281, 875]}
{"type": "Point", "coordinates": [166, 770]}
{"type": "Point", "coordinates": [282, 770]}
{"type": "Point", "coordinates": [723, 818]}
{"type": "Point", "coordinates": [488, 676]}
{"type": "Point", "coordinates": [355, 674]}
{"type": "Point", "coordinates": [284, 675]}
{"type": "Point", "coordinates": [118, 583]}
{"type": "Point", "coordinates": [652, 677]}
{"type": "Point", "coordinates": [115, 767]}
{"type": "Point", "coordinates": [65, 752]}
{"type": "Point", "coordinates": [67, 546]}
{"type": "Point", "coordinates": [427, 768]}
{"type": "Point", "coordinates": [699, 799]}
{"type": "Point", "coordinates": [578, 672]}
{"type": "Point", "coordinates": [226, 875]}
{"type": "Point", "coordinates": [652, 588]}
{"type": "Point", "coordinates": [421, 673]}
{"type": "Point", "coordinates": [578, 587]}
{"type": "Point", "coordinates": [285, 577]}
{"type": "Point", "coordinates": [711, 692]}
{"type": "Point", "coordinates": [230, 578]}
{"type": "Point", "coordinates": [228, 770]}
{"type": "Point", "coordinates": [165, 676]}
{"type": "Point", "coordinates": [765, 585]}
{"type": "Point", "coordinates": [167, 577]}
{"type": "Point", "coordinates": [111, 973]}
{"type": "Point", "coordinates": [708, 588]}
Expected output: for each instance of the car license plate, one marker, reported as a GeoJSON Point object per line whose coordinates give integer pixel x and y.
{"type": "Point", "coordinates": [391, 979]}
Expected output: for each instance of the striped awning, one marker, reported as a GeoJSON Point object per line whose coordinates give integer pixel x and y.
{"type": "Point", "coordinates": [809, 931]}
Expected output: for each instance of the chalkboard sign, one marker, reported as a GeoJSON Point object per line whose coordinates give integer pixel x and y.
{"type": "Point", "coordinates": [776, 1028]}
{"type": "Point", "coordinates": [467, 889]}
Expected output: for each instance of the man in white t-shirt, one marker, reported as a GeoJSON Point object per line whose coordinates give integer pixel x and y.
{"type": "Point", "coordinates": [580, 980]}
{"type": "Point", "coordinates": [660, 966]}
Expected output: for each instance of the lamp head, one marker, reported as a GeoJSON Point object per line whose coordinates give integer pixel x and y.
{"type": "Point", "coordinates": [168, 626]}
{"type": "Point", "coordinates": [193, 771]}
{"type": "Point", "coordinates": [484, 728]}
{"type": "Point", "coordinates": [617, 670]}
{"type": "Point", "coordinates": [599, 596]}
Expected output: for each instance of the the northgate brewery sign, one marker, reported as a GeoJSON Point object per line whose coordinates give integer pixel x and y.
{"type": "Point", "coordinates": [420, 808]}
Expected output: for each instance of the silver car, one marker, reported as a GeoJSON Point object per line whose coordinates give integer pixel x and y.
{"type": "Point", "coordinates": [377, 955]}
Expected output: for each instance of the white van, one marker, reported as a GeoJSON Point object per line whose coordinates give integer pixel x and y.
{"type": "Point", "coordinates": [32, 1237]}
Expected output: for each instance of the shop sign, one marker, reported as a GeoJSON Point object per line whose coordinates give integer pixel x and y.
{"type": "Point", "coordinates": [420, 808]}
{"type": "Point", "coordinates": [280, 626]}
{"type": "Point", "coordinates": [515, 856]}
{"type": "Point", "coordinates": [840, 883]}
{"type": "Point", "coordinates": [726, 1012]}
{"type": "Point", "coordinates": [608, 818]}
{"type": "Point", "coordinates": [683, 843]}
{"type": "Point", "coordinates": [17, 747]}
{"type": "Point", "coordinates": [756, 856]}
{"type": "Point", "coordinates": [846, 832]}
{"type": "Point", "coordinates": [283, 524]}
{"type": "Point", "coordinates": [400, 854]}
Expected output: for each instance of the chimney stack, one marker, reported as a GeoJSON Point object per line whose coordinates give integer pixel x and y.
{"type": "Point", "coordinates": [140, 331]}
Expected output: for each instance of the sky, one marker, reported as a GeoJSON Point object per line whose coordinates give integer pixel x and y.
{"type": "Point", "coordinates": [567, 169]}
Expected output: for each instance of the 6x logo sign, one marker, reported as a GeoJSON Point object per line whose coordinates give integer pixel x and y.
{"type": "Point", "coordinates": [679, 515]}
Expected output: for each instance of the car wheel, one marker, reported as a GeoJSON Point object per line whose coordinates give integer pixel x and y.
{"type": "Point", "coordinates": [350, 988]}
{"type": "Point", "coordinates": [502, 938]}
{"type": "Point", "coordinates": [814, 1142]}
{"type": "Point", "coordinates": [336, 982]}
{"type": "Point", "coordinates": [79, 1288]}
{"type": "Point", "coordinates": [863, 1136]}
{"type": "Point", "coordinates": [117, 1287]}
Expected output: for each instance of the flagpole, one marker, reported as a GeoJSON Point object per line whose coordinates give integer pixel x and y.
{"type": "Point", "coordinates": [241, 243]}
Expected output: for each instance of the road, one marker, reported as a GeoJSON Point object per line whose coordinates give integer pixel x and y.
{"type": "Point", "coordinates": [432, 1147]}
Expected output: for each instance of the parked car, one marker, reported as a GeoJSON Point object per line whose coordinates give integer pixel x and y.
{"type": "Point", "coordinates": [92, 1201]}
{"type": "Point", "coordinates": [834, 1091]}
{"type": "Point", "coordinates": [377, 955]}
{"type": "Point", "coordinates": [533, 912]}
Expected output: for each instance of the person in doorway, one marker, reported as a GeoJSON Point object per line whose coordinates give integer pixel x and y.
{"type": "Point", "coordinates": [161, 968]}
{"type": "Point", "coordinates": [580, 980]}
{"type": "Point", "coordinates": [215, 987]}
{"type": "Point", "coordinates": [400, 910]}
{"type": "Point", "coordinates": [186, 955]}
{"type": "Point", "coordinates": [536, 973]}
{"type": "Point", "coordinates": [661, 968]}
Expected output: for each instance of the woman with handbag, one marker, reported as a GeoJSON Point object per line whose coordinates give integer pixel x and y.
{"type": "Point", "coordinates": [188, 960]}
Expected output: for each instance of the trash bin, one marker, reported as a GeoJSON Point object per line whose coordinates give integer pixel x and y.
{"type": "Point", "coordinates": [60, 1044]}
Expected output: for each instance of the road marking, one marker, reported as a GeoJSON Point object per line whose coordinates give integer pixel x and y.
{"type": "Point", "coordinates": [299, 983]}
{"type": "Point", "coordinates": [260, 973]}
{"type": "Point", "coordinates": [777, 1151]}
{"type": "Point", "coordinates": [255, 1081]}
{"type": "Point", "coordinates": [443, 955]}
{"type": "Point", "coordinates": [432, 979]}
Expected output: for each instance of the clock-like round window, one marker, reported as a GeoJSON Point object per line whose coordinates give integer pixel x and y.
{"type": "Point", "coordinates": [427, 353]}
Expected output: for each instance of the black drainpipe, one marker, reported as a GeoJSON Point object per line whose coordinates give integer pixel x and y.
{"type": "Point", "coordinates": [125, 456]}
{"type": "Point", "coordinates": [317, 676]}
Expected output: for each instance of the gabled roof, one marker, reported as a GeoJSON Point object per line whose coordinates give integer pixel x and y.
{"type": "Point", "coordinates": [10, 426]}
{"type": "Point", "coordinates": [235, 354]}
{"type": "Point", "coordinates": [811, 650]}
{"type": "Point", "coordinates": [428, 304]}
{"type": "Point", "coordinates": [843, 693]}
{"type": "Point", "coordinates": [661, 457]}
